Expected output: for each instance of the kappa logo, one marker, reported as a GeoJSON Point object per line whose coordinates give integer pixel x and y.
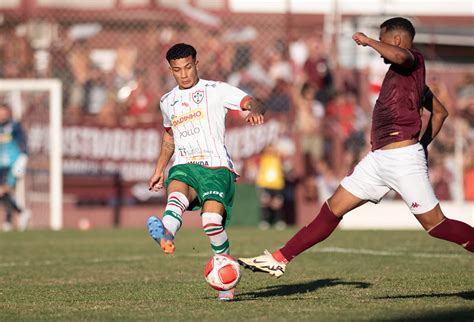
{"type": "Point", "coordinates": [198, 96]}
{"type": "Point", "coordinates": [415, 205]}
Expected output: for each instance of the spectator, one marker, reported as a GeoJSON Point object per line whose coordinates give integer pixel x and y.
{"type": "Point", "coordinates": [309, 113]}
{"type": "Point", "coordinates": [317, 70]}
{"type": "Point", "coordinates": [59, 66]}
{"type": "Point", "coordinates": [271, 182]}
{"type": "Point", "coordinates": [140, 104]}
{"type": "Point", "coordinates": [79, 60]}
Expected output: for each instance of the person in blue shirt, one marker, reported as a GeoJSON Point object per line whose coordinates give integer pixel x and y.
{"type": "Point", "coordinates": [13, 158]}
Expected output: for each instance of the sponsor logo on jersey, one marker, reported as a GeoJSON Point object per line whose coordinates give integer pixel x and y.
{"type": "Point", "coordinates": [197, 157]}
{"type": "Point", "coordinates": [218, 193]}
{"type": "Point", "coordinates": [198, 96]}
{"type": "Point", "coordinates": [174, 103]}
{"type": "Point", "coordinates": [182, 152]}
{"type": "Point", "coordinates": [184, 118]}
{"type": "Point", "coordinates": [190, 132]}
{"type": "Point", "coordinates": [199, 162]}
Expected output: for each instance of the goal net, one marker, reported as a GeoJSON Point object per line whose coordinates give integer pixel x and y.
{"type": "Point", "coordinates": [37, 104]}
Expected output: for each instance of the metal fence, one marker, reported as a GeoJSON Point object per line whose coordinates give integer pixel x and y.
{"type": "Point", "coordinates": [112, 67]}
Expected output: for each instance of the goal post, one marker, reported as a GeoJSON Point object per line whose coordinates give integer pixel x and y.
{"type": "Point", "coordinates": [54, 88]}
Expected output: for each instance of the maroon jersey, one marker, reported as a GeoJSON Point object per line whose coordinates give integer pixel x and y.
{"type": "Point", "coordinates": [396, 116]}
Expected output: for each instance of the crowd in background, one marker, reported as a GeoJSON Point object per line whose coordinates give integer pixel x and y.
{"type": "Point", "coordinates": [328, 123]}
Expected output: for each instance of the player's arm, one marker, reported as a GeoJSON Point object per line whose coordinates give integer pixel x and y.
{"type": "Point", "coordinates": [166, 152]}
{"type": "Point", "coordinates": [437, 117]}
{"type": "Point", "coordinates": [395, 54]}
{"type": "Point", "coordinates": [256, 109]}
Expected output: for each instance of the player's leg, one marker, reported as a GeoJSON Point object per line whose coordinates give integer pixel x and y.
{"type": "Point", "coordinates": [407, 172]}
{"type": "Point", "coordinates": [439, 226]}
{"type": "Point", "coordinates": [357, 188]}
{"type": "Point", "coordinates": [164, 230]}
{"type": "Point", "coordinates": [179, 196]}
{"type": "Point", "coordinates": [213, 225]}
{"type": "Point", "coordinates": [315, 232]}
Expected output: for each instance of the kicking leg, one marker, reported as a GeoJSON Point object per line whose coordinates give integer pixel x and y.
{"type": "Point", "coordinates": [163, 231]}
{"type": "Point", "coordinates": [439, 226]}
{"type": "Point", "coordinates": [315, 232]}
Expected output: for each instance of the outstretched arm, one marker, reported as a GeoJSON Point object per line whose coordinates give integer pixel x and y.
{"type": "Point", "coordinates": [437, 118]}
{"type": "Point", "coordinates": [256, 109]}
{"type": "Point", "coordinates": [397, 55]}
{"type": "Point", "coordinates": [166, 152]}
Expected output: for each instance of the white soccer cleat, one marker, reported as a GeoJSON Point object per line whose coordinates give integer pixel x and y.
{"type": "Point", "coordinates": [264, 263]}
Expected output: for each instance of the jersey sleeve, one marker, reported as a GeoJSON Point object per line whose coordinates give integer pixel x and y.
{"type": "Point", "coordinates": [232, 97]}
{"type": "Point", "coordinates": [166, 117]}
{"type": "Point", "coordinates": [418, 59]}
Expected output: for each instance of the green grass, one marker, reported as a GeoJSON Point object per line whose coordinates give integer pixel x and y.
{"type": "Point", "coordinates": [121, 275]}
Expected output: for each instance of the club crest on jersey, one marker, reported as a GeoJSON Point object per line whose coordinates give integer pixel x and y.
{"type": "Point", "coordinates": [198, 96]}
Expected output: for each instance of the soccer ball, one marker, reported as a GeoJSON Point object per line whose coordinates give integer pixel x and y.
{"type": "Point", "coordinates": [222, 272]}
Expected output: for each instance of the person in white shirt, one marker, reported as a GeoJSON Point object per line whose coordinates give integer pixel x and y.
{"type": "Point", "coordinates": [202, 175]}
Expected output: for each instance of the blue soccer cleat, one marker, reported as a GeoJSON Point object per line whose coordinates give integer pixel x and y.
{"type": "Point", "coordinates": [160, 234]}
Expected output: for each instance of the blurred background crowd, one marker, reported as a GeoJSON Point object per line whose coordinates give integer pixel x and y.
{"type": "Point", "coordinates": [320, 88]}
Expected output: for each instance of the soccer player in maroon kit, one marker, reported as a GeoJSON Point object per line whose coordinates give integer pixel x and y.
{"type": "Point", "coordinates": [398, 160]}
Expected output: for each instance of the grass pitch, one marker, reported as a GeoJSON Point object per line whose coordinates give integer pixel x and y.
{"type": "Point", "coordinates": [121, 275]}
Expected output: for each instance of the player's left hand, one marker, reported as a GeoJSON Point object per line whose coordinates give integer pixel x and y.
{"type": "Point", "coordinates": [361, 39]}
{"type": "Point", "coordinates": [254, 118]}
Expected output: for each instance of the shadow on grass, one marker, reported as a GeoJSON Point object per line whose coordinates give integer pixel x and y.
{"type": "Point", "coordinates": [459, 315]}
{"type": "Point", "coordinates": [301, 288]}
{"type": "Point", "coordinates": [468, 295]}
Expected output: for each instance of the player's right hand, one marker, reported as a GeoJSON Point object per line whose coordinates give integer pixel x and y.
{"type": "Point", "coordinates": [361, 39]}
{"type": "Point", "coordinates": [156, 181]}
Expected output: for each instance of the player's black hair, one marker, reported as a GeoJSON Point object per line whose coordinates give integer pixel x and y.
{"type": "Point", "coordinates": [180, 51]}
{"type": "Point", "coordinates": [399, 23]}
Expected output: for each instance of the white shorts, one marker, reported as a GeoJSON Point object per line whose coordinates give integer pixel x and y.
{"type": "Point", "coordinates": [404, 170]}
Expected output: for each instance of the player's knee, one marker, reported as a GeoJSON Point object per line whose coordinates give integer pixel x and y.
{"type": "Point", "coordinates": [431, 219]}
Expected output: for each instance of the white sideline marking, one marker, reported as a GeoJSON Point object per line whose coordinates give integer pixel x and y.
{"type": "Point", "coordinates": [338, 250]}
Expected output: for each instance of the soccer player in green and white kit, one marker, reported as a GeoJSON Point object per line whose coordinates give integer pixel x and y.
{"type": "Point", "coordinates": [202, 174]}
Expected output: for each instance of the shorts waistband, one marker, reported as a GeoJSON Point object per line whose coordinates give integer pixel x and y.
{"type": "Point", "coordinates": [415, 146]}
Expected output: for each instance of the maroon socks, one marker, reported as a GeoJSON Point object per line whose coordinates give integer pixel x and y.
{"type": "Point", "coordinates": [456, 232]}
{"type": "Point", "coordinates": [325, 222]}
{"type": "Point", "coordinates": [318, 230]}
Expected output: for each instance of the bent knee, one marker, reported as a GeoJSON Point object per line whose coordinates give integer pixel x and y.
{"type": "Point", "coordinates": [431, 219]}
